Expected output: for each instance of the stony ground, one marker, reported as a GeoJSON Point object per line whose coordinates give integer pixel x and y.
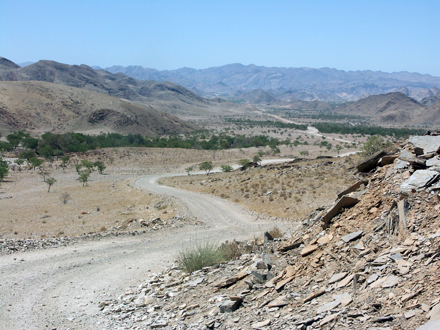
{"type": "Point", "coordinates": [370, 266]}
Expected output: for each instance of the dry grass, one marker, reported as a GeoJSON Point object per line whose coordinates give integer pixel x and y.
{"type": "Point", "coordinates": [287, 193]}
{"type": "Point", "coordinates": [70, 209]}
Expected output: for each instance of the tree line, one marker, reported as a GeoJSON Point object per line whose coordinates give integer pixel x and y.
{"type": "Point", "coordinates": [55, 145]}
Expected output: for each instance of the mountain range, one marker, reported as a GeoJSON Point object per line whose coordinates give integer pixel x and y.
{"type": "Point", "coordinates": [307, 84]}
{"type": "Point", "coordinates": [53, 96]}
{"type": "Point", "coordinates": [164, 96]}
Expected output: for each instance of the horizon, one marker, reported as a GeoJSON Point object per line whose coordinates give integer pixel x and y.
{"type": "Point", "coordinates": [23, 64]}
{"type": "Point", "coordinates": [392, 36]}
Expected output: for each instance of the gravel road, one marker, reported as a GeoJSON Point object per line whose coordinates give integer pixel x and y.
{"type": "Point", "coordinates": [61, 288]}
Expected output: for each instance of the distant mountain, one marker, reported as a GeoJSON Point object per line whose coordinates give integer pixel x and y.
{"type": "Point", "coordinates": [6, 64]}
{"type": "Point", "coordinates": [431, 117]}
{"type": "Point", "coordinates": [431, 100]}
{"type": "Point", "coordinates": [25, 64]}
{"type": "Point", "coordinates": [164, 96]}
{"type": "Point", "coordinates": [38, 107]}
{"type": "Point", "coordinates": [306, 84]}
{"type": "Point", "coordinates": [392, 108]}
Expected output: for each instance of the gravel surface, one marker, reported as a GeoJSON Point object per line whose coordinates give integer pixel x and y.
{"type": "Point", "coordinates": [61, 288]}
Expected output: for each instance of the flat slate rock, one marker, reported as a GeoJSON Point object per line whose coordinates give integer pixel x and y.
{"type": "Point", "coordinates": [352, 236]}
{"type": "Point", "coordinates": [337, 277]}
{"type": "Point", "coordinates": [418, 180]}
{"type": "Point", "coordinates": [431, 325]}
{"type": "Point", "coordinates": [427, 143]}
{"type": "Point", "coordinates": [309, 249]}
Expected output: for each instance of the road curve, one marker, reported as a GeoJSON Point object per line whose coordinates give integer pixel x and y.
{"type": "Point", "coordinates": [60, 288]}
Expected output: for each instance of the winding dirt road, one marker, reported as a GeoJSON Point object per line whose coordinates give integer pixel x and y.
{"type": "Point", "coordinates": [61, 288]}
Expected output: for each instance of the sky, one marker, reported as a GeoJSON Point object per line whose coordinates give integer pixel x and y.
{"type": "Point", "coordinates": [385, 35]}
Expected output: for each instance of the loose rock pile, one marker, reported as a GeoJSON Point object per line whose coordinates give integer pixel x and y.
{"type": "Point", "coordinates": [370, 263]}
{"type": "Point", "coordinates": [131, 228]}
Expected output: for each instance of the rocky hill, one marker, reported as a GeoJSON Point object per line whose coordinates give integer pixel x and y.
{"type": "Point", "coordinates": [307, 84]}
{"type": "Point", "coordinates": [42, 106]}
{"type": "Point", "coordinates": [392, 108]}
{"type": "Point", "coordinates": [369, 261]}
{"type": "Point", "coordinates": [164, 96]}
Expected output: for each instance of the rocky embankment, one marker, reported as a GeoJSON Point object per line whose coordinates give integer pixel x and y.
{"type": "Point", "coordinates": [369, 261]}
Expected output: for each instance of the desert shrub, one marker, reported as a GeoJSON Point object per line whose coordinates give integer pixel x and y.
{"type": "Point", "coordinates": [226, 168]}
{"type": "Point", "coordinates": [199, 255]}
{"type": "Point", "coordinates": [233, 250]}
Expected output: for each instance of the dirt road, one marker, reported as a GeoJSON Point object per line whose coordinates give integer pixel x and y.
{"type": "Point", "coordinates": [61, 288]}
{"type": "Point", "coordinates": [310, 129]}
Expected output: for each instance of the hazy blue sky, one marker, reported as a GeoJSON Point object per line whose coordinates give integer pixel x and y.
{"type": "Point", "coordinates": [163, 34]}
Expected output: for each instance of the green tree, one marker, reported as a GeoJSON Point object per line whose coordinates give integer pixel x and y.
{"type": "Point", "coordinates": [15, 138]}
{"type": "Point", "coordinates": [64, 161]}
{"type": "Point", "coordinates": [275, 149]}
{"type": "Point", "coordinates": [4, 169]}
{"type": "Point", "coordinates": [206, 166]}
{"type": "Point", "coordinates": [78, 168]}
{"type": "Point", "coordinates": [30, 142]}
{"type": "Point", "coordinates": [373, 144]}
{"type": "Point", "coordinates": [260, 153]}
{"type": "Point", "coordinates": [87, 164]}
{"type": "Point", "coordinates": [226, 168]}
{"type": "Point", "coordinates": [244, 163]}
{"type": "Point", "coordinates": [189, 169]}
{"type": "Point", "coordinates": [257, 159]}
{"type": "Point", "coordinates": [84, 176]}
{"type": "Point", "coordinates": [100, 166]}
{"type": "Point", "coordinates": [36, 162]}
{"type": "Point", "coordinates": [339, 148]}
{"type": "Point", "coordinates": [26, 154]}
{"type": "Point", "coordinates": [50, 182]}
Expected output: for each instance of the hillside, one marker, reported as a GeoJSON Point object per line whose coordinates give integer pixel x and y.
{"type": "Point", "coordinates": [392, 108]}
{"type": "Point", "coordinates": [324, 84]}
{"type": "Point", "coordinates": [42, 106]}
{"type": "Point", "coordinates": [164, 96]}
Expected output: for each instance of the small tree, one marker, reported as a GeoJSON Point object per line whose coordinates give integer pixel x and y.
{"type": "Point", "coordinates": [4, 169]}
{"type": "Point", "coordinates": [50, 181]}
{"type": "Point", "coordinates": [226, 168]}
{"type": "Point", "coordinates": [275, 149]}
{"type": "Point", "coordinates": [100, 166]}
{"type": "Point", "coordinates": [189, 169]}
{"type": "Point", "coordinates": [43, 173]}
{"type": "Point", "coordinates": [257, 159]}
{"type": "Point", "coordinates": [206, 166]}
{"type": "Point", "coordinates": [244, 163]}
{"type": "Point", "coordinates": [260, 153]}
{"type": "Point", "coordinates": [78, 168]}
{"type": "Point", "coordinates": [64, 161]}
{"type": "Point", "coordinates": [36, 162]}
{"type": "Point", "coordinates": [87, 164]}
{"type": "Point", "coordinates": [339, 148]}
{"type": "Point", "coordinates": [84, 177]}
{"type": "Point", "coordinates": [373, 144]}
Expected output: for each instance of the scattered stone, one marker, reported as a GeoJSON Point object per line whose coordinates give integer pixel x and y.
{"type": "Point", "coordinates": [229, 306]}
{"type": "Point", "coordinates": [314, 295]}
{"type": "Point", "coordinates": [261, 324]}
{"type": "Point", "coordinates": [352, 236]}
{"type": "Point", "coordinates": [309, 249]}
{"type": "Point", "coordinates": [337, 277]}
{"type": "Point", "coordinates": [343, 202]}
{"type": "Point", "coordinates": [419, 180]}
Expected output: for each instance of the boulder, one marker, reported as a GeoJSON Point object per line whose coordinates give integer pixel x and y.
{"type": "Point", "coordinates": [427, 143]}
{"type": "Point", "coordinates": [418, 180]}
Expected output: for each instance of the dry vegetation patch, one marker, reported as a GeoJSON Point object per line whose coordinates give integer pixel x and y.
{"type": "Point", "coordinates": [70, 209]}
{"type": "Point", "coordinates": [286, 191]}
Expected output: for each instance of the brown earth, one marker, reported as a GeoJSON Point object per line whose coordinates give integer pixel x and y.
{"type": "Point", "coordinates": [38, 107]}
